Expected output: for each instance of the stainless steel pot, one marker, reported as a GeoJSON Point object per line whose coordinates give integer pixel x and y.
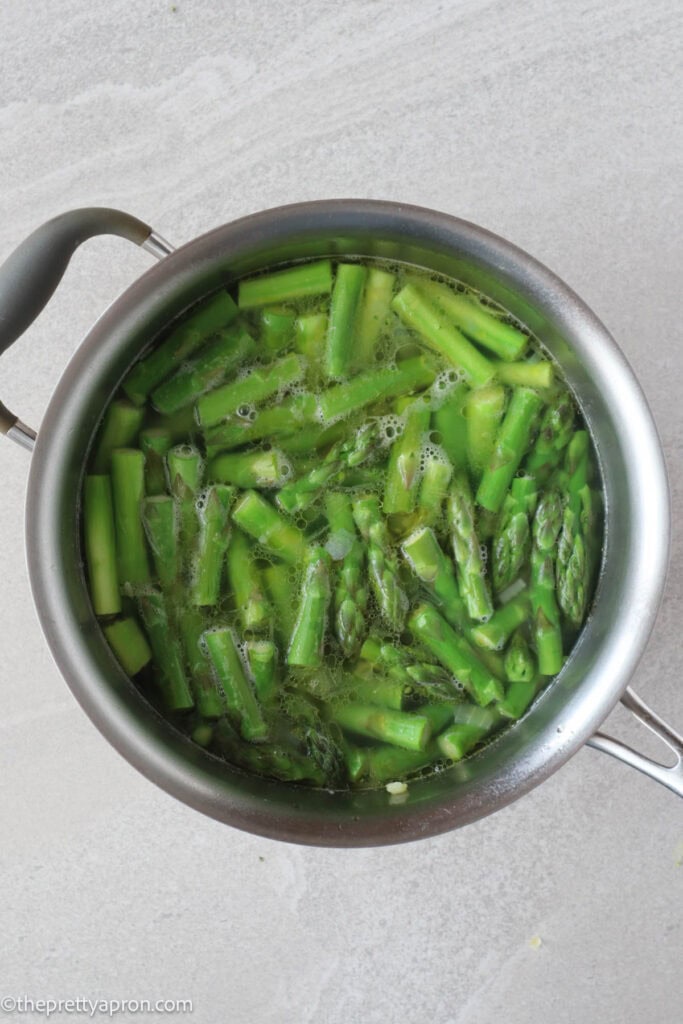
{"type": "Point", "coordinates": [595, 677]}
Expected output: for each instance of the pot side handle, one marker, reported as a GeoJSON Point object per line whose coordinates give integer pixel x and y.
{"type": "Point", "coordinates": [31, 274]}
{"type": "Point", "coordinates": [670, 776]}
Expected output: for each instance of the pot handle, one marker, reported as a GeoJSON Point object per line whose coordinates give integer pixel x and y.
{"type": "Point", "coordinates": [30, 275]}
{"type": "Point", "coordinates": [670, 776]}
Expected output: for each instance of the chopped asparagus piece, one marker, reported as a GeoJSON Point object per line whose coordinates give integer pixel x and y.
{"type": "Point", "coordinates": [100, 545]}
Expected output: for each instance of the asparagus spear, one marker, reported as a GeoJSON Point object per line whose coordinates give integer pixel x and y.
{"type": "Point", "coordinates": [520, 666]}
{"type": "Point", "coordinates": [255, 516]}
{"type": "Point", "coordinates": [483, 412]}
{"type": "Point", "coordinates": [213, 541]}
{"type": "Point", "coordinates": [193, 623]}
{"type": "Point", "coordinates": [245, 584]}
{"type": "Point", "coordinates": [555, 432]}
{"type": "Point", "coordinates": [128, 488]}
{"type": "Point", "coordinates": [470, 726]}
{"type": "Point", "coordinates": [537, 374]}
{"type": "Point", "coordinates": [203, 321]}
{"type": "Point", "coordinates": [289, 417]}
{"type": "Point", "coordinates": [451, 426]}
{"type": "Point", "coordinates": [180, 425]}
{"type": "Point", "coordinates": [404, 665]}
{"type": "Point", "coordinates": [253, 468]}
{"type": "Point", "coordinates": [185, 468]}
{"type": "Point", "coordinates": [346, 294]}
{"type": "Point", "coordinates": [273, 761]}
{"type": "Point", "coordinates": [578, 525]}
{"type": "Point", "coordinates": [120, 426]}
{"type": "Point", "coordinates": [519, 696]}
{"type": "Point", "coordinates": [387, 693]}
{"type": "Point", "coordinates": [433, 327]}
{"type": "Point", "coordinates": [202, 734]}
{"type": "Point", "coordinates": [373, 313]}
{"type": "Point", "coordinates": [436, 476]}
{"type": "Point", "coordinates": [225, 658]}
{"type": "Point", "coordinates": [370, 387]}
{"type": "Point", "coordinates": [315, 436]}
{"type": "Point", "coordinates": [100, 545]}
{"type": "Point", "coordinates": [350, 592]}
{"type": "Point", "coordinates": [341, 400]}
{"type": "Point", "coordinates": [400, 728]}
{"type": "Point", "coordinates": [278, 580]}
{"type": "Point", "coordinates": [546, 614]}
{"type": "Point", "coordinates": [166, 649]}
{"type": "Point", "coordinates": [155, 443]}
{"type": "Point", "coordinates": [161, 526]}
{"type": "Point", "coordinates": [129, 644]}
{"type": "Point", "coordinates": [184, 462]}
{"type": "Point", "coordinates": [384, 763]}
{"type": "Point", "coordinates": [209, 367]}
{"type": "Point", "coordinates": [495, 633]}
{"type": "Point", "coordinates": [261, 384]}
{"type": "Point", "coordinates": [511, 543]}
{"type": "Point", "coordinates": [286, 285]}
{"type": "Point", "coordinates": [277, 329]}
{"type": "Point", "coordinates": [511, 444]}
{"type": "Point", "coordinates": [499, 337]}
{"type": "Point", "coordinates": [347, 454]}
{"type": "Point", "coordinates": [455, 653]}
{"type": "Point", "coordinates": [382, 563]}
{"type": "Point", "coordinates": [308, 636]}
{"type": "Point", "coordinates": [435, 570]}
{"type": "Point", "coordinates": [309, 337]}
{"type": "Point", "coordinates": [262, 657]}
{"type": "Point", "coordinates": [459, 740]}
{"type": "Point", "coordinates": [474, 587]}
{"type": "Point", "coordinates": [403, 472]}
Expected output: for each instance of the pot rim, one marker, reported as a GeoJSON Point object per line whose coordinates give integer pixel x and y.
{"type": "Point", "coordinates": [256, 807]}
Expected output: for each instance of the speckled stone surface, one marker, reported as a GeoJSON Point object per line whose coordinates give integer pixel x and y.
{"type": "Point", "coordinates": [554, 125]}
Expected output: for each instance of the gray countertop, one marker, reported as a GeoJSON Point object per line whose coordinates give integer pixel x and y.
{"type": "Point", "coordinates": [551, 124]}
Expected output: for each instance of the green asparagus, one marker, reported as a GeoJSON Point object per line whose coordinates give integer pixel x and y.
{"type": "Point", "coordinates": [100, 544]}
{"type": "Point", "coordinates": [474, 586]}
{"type": "Point", "coordinates": [346, 294]}
{"type": "Point", "coordinates": [350, 591]}
{"type": "Point", "coordinates": [209, 367]}
{"type": "Point", "coordinates": [129, 644]}
{"type": "Point", "coordinates": [204, 321]}
{"type": "Point", "coordinates": [120, 426]}
{"type": "Point", "coordinates": [258, 518]}
{"type": "Point", "coordinates": [261, 384]}
{"type": "Point", "coordinates": [382, 563]}
{"type": "Point", "coordinates": [167, 652]}
{"type": "Point", "coordinates": [161, 526]}
{"type": "Point", "coordinates": [512, 540]}
{"type": "Point", "coordinates": [286, 285]}
{"type": "Point", "coordinates": [483, 411]}
{"type": "Point", "coordinates": [308, 635]}
{"type": "Point", "coordinates": [546, 614]}
{"type": "Point", "coordinates": [477, 323]}
{"type": "Point", "coordinates": [374, 311]}
{"type": "Point", "coordinates": [403, 472]}
{"type": "Point", "coordinates": [512, 441]}
{"type": "Point", "coordinates": [128, 488]}
{"type": "Point", "coordinates": [239, 696]}
{"type": "Point", "coordinates": [214, 535]}
{"type": "Point", "coordinates": [455, 653]}
{"type": "Point", "coordinates": [430, 323]}
{"type": "Point", "coordinates": [246, 585]}
{"type": "Point", "coordinates": [155, 443]}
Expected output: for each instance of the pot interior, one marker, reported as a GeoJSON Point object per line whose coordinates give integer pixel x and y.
{"type": "Point", "coordinates": [636, 524]}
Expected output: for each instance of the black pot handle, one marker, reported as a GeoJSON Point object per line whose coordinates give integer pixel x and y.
{"type": "Point", "coordinates": [30, 275]}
